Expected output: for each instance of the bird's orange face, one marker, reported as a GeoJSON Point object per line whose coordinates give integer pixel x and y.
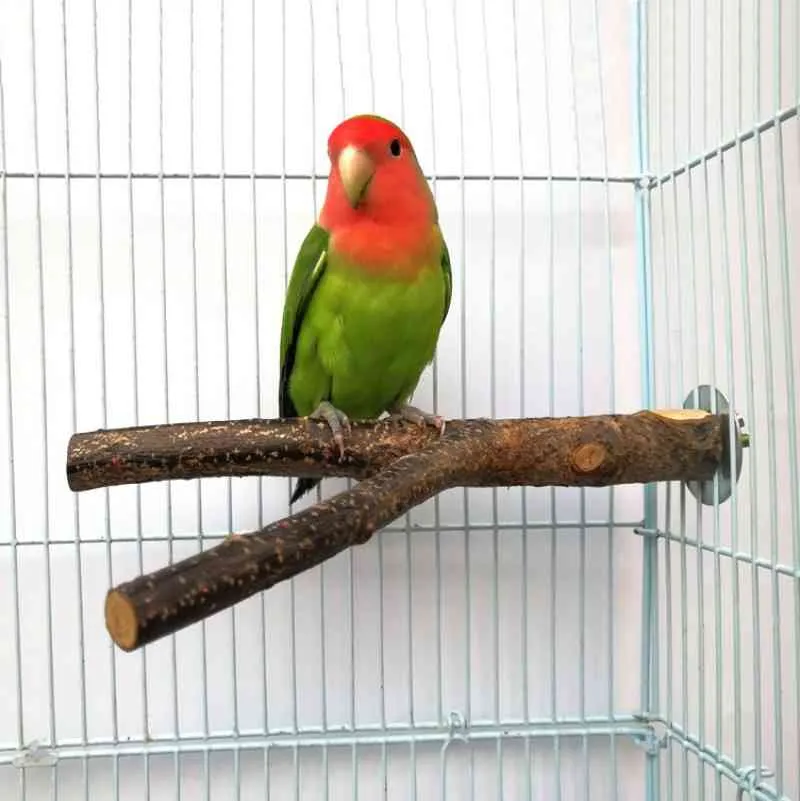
{"type": "Point", "coordinates": [364, 149]}
{"type": "Point", "coordinates": [375, 176]}
{"type": "Point", "coordinates": [378, 208]}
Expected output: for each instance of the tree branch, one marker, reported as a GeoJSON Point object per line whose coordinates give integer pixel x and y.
{"type": "Point", "coordinates": [402, 465]}
{"type": "Point", "coordinates": [636, 448]}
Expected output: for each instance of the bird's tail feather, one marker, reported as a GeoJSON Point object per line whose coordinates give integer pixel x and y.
{"type": "Point", "coordinates": [303, 486]}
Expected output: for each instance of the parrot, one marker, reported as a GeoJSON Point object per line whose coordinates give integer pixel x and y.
{"type": "Point", "coordinates": [369, 290]}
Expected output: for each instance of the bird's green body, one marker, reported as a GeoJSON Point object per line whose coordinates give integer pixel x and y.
{"type": "Point", "coordinates": [355, 337]}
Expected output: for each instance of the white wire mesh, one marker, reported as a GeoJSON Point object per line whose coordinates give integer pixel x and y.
{"type": "Point", "coordinates": [160, 164]}
{"type": "Point", "coordinates": [724, 84]}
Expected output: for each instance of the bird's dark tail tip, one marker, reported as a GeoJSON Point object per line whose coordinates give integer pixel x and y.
{"type": "Point", "coordinates": [303, 486]}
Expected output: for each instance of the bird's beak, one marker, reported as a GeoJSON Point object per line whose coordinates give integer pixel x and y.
{"type": "Point", "coordinates": [355, 169]}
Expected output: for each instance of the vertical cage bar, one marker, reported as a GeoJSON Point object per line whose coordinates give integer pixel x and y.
{"type": "Point", "coordinates": [325, 773]}
{"type": "Point", "coordinates": [552, 639]}
{"type": "Point", "coordinates": [286, 274]}
{"type": "Point", "coordinates": [684, 617]}
{"type": "Point", "coordinates": [135, 372]}
{"type": "Point", "coordinates": [226, 314]}
{"type": "Point", "coordinates": [266, 774]}
{"type": "Point", "coordinates": [323, 567]}
{"type": "Point", "coordinates": [718, 647]}
{"type": "Point", "coordinates": [323, 690]}
{"type": "Point", "coordinates": [237, 775]}
{"type": "Point", "coordinates": [256, 274]}
{"type": "Point", "coordinates": [296, 766]}
{"type": "Point", "coordinates": [766, 280]}
{"type": "Point", "coordinates": [493, 364]}
{"type": "Point", "coordinates": [353, 771]}
{"type": "Point", "coordinates": [407, 516]}
{"type": "Point", "coordinates": [718, 650]}
{"type": "Point", "coordinates": [369, 54]}
{"type": "Point", "coordinates": [196, 356]}
{"type": "Point", "coordinates": [643, 250]}
{"type": "Point", "coordinates": [649, 664]}
{"type": "Point", "coordinates": [729, 366]}
{"type": "Point", "coordinates": [103, 363]}
{"type": "Point", "coordinates": [522, 381]}
{"type": "Point", "coordinates": [737, 648]}
{"type": "Point", "coordinates": [262, 607]}
{"type": "Point", "coordinates": [761, 240]}
{"type": "Point", "coordinates": [697, 508]}
{"type": "Point", "coordinates": [42, 329]}
{"type": "Point", "coordinates": [436, 503]}
{"type": "Point", "coordinates": [443, 772]}
{"type": "Point", "coordinates": [206, 776]}
{"type": "Point", "coordinates": [379, 536]}
{"type": "Point", "coordinates": [794, 444]}
{"type": "Point", "coordinates": [753, 456]}
{"type": "Point", "coordinates": [399, 63]}
{"type": "Point", "coordinates": [698, 379]}
{"type": "Point", "coordinates": [341, 62]}
{"type": "Point", "coordinates": [85, 778]}
{"type": "Point", "coordinates": [581, 405]}
{"type": "Point", "coordinates": [350, 554]}
{"type": "Point", "coordinates": [787, 328]}
{"type": "Point", "coordinates": [12, 495]}
{"type": "Point", "coordinates": [73, 388]}
{"type": "Point", "coordinates": [681, 490]}
{"type": "Point", "coordinates": [610, 632]}
{"type": "Point", "coordinates": [463, 364]}
{"type": "Point", "coordinates": [499, 787]}
{"type": "Point", "coordinates": [528, 770]}
{"type": "Point", "coordinates": [414, 789]}
{"type": "Point", "coordinates": [173, 658]}
{"type": "Point", "coordinates": [115, 774]}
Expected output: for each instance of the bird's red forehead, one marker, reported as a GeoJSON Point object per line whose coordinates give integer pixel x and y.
{"type": "Point", "coordinates": [363, 130]}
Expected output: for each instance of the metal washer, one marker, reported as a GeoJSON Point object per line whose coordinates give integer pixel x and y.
{"type": "Point", "coordinates": [701, 398]}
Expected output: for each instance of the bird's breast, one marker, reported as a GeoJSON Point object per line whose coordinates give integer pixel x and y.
{"type": "Point", "coordinates": [397, 252]}
{"type": "Point", "coordinates": [374, 322]}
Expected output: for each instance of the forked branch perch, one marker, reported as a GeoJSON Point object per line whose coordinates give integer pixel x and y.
{"type": "Point", "coordinates": [636, 448]}
{"type": "Point", "coordinates": [401, 466]}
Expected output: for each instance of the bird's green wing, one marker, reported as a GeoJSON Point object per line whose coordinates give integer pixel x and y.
{"type": "Point", "coordinates": [448, 279]}
{"type": "Point", "coordinates": [308, 269]}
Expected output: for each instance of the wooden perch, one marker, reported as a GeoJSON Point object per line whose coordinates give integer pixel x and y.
{"type": "Point", "coordinates": [637, 448]}
{"type": "Point", "coordinates": [401, 465]}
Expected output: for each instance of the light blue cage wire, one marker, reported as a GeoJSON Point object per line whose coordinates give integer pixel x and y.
{"type": "Point", "coordinates": [678, 743]}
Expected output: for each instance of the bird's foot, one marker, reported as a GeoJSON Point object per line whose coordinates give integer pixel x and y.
{"type": "Point", "coordinates": [415, 415]}
{"type": "Point", "coordinates": [336, 419]}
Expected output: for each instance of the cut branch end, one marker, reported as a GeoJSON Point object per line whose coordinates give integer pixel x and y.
{"type": "Point", "coordinates": [120, 614]}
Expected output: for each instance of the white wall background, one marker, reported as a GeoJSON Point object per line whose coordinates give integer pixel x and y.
{"type": "Point", "coordinates": [132, 298]}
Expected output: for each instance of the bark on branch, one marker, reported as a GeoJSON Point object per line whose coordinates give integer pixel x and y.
{"type": "Point", "coordinates": [630, 449]}
{"type": "Point", "coordinates": [401, 466]}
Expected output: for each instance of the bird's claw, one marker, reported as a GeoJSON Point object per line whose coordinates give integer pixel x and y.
{"type": "Point", "coordinates": [337, 421]}
{"type": "Point", "coordinates": [421, 418]}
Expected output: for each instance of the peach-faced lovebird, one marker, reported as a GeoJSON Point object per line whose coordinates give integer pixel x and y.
{"type": "Point", "coordinates": [370, 288]}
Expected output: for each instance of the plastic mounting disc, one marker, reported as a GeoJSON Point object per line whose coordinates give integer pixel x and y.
{"type": "Point", "coordinates": [702, 398]}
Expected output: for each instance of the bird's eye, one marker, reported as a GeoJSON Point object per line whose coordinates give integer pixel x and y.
{"type": "Point", "coordinates": [394, 147]}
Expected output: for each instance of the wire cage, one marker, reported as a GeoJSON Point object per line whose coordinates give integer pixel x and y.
{"type": "Point", "coordinates": [619, 186]}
